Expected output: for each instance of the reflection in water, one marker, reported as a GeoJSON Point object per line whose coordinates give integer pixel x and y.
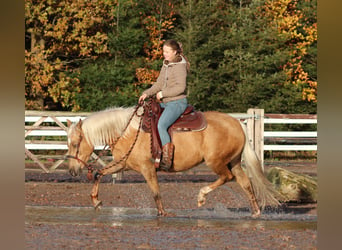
{"type": "Point", "coordinates": [119, 217]}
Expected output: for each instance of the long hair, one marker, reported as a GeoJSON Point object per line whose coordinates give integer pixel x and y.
{"type": "Point", "coordinates": [177, 46]}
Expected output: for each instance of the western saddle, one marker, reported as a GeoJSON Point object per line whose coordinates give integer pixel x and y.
{"type": "Point", "coordinates": [190, 120]}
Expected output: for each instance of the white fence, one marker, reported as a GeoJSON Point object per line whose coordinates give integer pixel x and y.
{"type": "Point", "coordinates": [46, 131]}
{"type": "Point", "coordinates": [291, 136]}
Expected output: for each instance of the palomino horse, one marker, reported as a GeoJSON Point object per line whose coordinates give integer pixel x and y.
{"type": "Point", "coordinates": [220, 146]}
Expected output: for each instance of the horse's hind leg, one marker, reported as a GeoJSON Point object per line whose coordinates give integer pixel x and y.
{"type": "Point", "coordinates": [224, 176]}
{"type": "Point", "coordinates": [245, 183]}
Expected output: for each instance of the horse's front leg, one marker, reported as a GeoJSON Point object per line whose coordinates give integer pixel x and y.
{"type": "Point", "coordinates": [150, 176]}
{"type": "Point", "coordinates": [160, 207]}
{"type": "Point", "coordinates": [110, 168]}
{"type": "Point", "coordinates": [95, 191]}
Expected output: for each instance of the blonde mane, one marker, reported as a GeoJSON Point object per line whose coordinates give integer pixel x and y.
{"type": "Point", "coordinates": [103, 127]}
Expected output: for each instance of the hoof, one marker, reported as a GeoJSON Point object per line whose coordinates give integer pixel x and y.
{"type": "Point", "coordinates": [256, 214]}
{"type": "Point", "coordinates": [200, 203]}
{"type": "Point", "coordinates": [97, 205]}
{"type": "Point", "coordinates": [169, 215]}
{"type": "Point", "coordinates": [162, 214]}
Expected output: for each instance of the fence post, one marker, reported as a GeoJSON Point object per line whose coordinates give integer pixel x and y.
{"type": "Point", "coordinates": [255, 130]}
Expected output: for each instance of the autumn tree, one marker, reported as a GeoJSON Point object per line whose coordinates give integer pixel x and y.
{"type": "Point", "coordinates": [157, 18]}
{"type": "Point", "coordinates": [59, 36]}
{"type": "Point", "coordinates": [297, 20]}
{"type": "Point", "coordinates": [237, 62]}
{"type": "Point", "coordinates": [109, 80]}
{"type": "Point", "coordinates": [135, 45]}
{"type": "Point", "coordinates": [88, 55]}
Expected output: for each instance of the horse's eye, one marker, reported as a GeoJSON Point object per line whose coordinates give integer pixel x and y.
{"type": "Point", "coordinates": [74, 145]}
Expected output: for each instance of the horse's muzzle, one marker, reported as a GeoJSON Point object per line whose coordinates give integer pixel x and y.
{"type": "Point", "coordinates": [74, 172]}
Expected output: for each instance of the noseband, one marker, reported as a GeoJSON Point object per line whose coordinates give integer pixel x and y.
{"type": "Point", "coordinates": [76, 158]}
{"type": "Point", "coordinates": [90, 168]}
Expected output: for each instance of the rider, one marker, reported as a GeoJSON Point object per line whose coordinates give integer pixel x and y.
{"type": "Point", "coordinates": [170, 90]}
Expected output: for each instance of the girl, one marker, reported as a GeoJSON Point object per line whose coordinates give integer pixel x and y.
{"type": "Point", "coordinates": [170, 90]}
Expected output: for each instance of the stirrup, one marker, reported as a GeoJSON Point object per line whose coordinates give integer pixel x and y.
{"type": "Point", "coordinates": [164, 167]}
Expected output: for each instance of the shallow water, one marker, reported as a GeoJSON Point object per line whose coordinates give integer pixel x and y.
{"type": "Point", "coordinates": [217, 217]}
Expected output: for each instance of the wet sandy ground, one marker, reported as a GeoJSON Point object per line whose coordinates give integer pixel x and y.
{"type": "Point", "coordinates": [59, 216]}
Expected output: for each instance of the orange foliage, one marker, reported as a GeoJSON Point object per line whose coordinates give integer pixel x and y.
{"type": "Point", "coordinates": [290, 22]}
{"type": "Point", "coordinates": [155, 28]}
{"type": "Point", "coordinates": [62, 33]}
{"type": "Point", "coordinates": [145, 75]}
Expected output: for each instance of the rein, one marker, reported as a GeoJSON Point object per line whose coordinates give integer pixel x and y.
{"type": "Point", "coordinates": [124, 158]}
{"type": "Point", "coordinates": [89, 167]}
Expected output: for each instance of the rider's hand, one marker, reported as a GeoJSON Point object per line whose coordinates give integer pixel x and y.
{"type": "Point", "coordinates": [159, 96]}
{"type": "Point", "coordinates": [142, 98]}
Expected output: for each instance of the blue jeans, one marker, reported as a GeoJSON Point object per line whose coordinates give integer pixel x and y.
{"type": "Point", "coordinates": [172, 111]}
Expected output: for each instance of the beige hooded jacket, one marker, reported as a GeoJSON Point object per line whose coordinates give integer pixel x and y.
{"type": "Point", "coordinates": [171, 81]}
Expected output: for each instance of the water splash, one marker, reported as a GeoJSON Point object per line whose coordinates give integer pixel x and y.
{"type": "Point", "coordinates": [219, 216]}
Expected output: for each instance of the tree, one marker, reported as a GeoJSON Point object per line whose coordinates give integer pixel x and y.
{"type": "Point", "coordinates": [297, 21]}
{"type": "Point", "coordinates": [88, 55]}
{"type": "Point", "coordinates": [109, 81]}
{"type": "Point", "coordinates": [106, 83]}
{"type": "Point", "coordinates": [59, 36]}
{"type": "Point", "coordinates": [201, 29]}
{"type": "Point", "coordinates": [255, 57]}
{"type": "Point", "coordinates": [238, 61]}
{"type": "Point", "coordinates": [157, 18]}
{"type": "Point", "coordinates": [135, 45]}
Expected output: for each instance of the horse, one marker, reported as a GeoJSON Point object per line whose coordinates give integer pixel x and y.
{"type": "Point", "coordinates": [221, 146]}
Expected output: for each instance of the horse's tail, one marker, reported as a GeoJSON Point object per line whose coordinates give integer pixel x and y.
{"type": "Point", "coordinates": [263, 189]}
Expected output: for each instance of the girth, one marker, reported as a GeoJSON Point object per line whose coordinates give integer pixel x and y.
{"type": "Point", "coordinates": [190, 120]}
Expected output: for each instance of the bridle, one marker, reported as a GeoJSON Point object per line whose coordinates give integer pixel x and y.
{"type": "Point", "coordinates": [89, 167]}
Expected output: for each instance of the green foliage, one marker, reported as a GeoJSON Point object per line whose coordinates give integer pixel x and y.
{"type": "Point", "coordinates": [109, 81]}
{"type": "Point", "coordinates": [106, 83]}
{"type": "Point", "coordinates": [238, 65]}
{"type": "Point", "coordinates": [237, 58]}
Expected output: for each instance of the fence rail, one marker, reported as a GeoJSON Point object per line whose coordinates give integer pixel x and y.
{"type": "Point", "coordinates": [45, 131]}
{"type": "Point", "coordinates": [300, 140]}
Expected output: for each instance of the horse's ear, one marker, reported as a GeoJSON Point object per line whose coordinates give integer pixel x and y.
{"type": "Point", "coordinates": [79, 124]}
{"type": "Point", "coordinates": [69, 123]}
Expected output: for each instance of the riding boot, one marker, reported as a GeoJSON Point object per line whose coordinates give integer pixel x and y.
{"type": "Point", "coordinates": [167, 156]}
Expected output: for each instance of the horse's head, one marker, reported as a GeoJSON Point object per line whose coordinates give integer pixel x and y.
{"type": "Point", "coordinates": [79, 149]}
